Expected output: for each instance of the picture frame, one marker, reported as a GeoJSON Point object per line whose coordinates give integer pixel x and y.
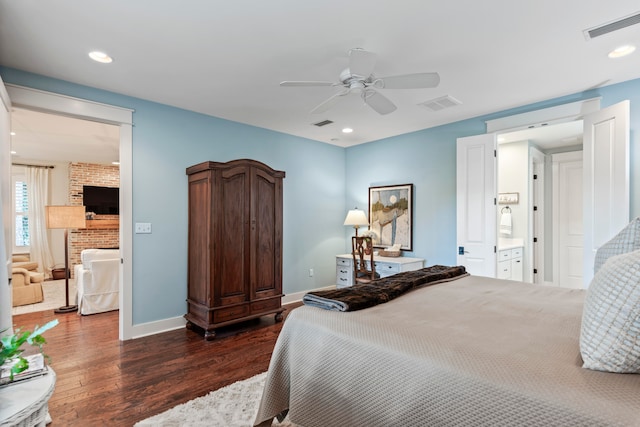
{"type": "Point", "coordinates": [391, 216]}
{"type": "Point", "coordinates": [508, 198]}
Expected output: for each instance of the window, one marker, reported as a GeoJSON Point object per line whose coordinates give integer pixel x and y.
{"type": "Point", "coordinates": [21, 215]}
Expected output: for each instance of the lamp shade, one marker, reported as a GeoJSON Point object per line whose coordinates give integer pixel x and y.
{"type": "Point", "coordinates": [65, 216]}
{"type": "Point", "coordinates": [356, 217]}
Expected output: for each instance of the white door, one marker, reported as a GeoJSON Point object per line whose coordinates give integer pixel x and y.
{"type": "Point", "coordinates": [476, 204]}
{"type": "Point", "coordinates": [606, 179]}
{"type": "Point", "coordinates": [567, 213]}
{"type": "Point", "coordinates": [5, 212]}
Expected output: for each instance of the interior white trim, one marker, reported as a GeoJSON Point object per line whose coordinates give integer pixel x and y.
{"type": "Point", "coordinates": [158, 326]}
{"type": "Point", "coordinates": [39, 100]}
{"type": "Point", "coordinates": [4, 96]}
{"type": "Point", "coordinates": [546, 116]}
{"type": "Point", "coordinates": [536, 157]}
{"type": "Point", "coordinates": [297, 296]}
{"type": "Point", "coordinates": [80, 108]}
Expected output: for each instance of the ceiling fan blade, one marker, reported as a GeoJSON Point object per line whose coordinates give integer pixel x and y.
{"type": "Point", "coordinates": [361, 62]}
{"type": "Point", "coordinates": [324, 106]}
{"type": "Point", "coordinates": [378, 102]}
{"type": "Point", "coordinates": [304, 83]}
{"type": "Point", "coordinates": [410, 81]}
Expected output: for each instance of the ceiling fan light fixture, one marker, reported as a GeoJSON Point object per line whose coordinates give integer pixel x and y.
{"type": "Point", "coordinates": [347, 130]}
{"type": "Point", "coordinates": [100, 57]}
{"type": "Point", "coordinates": [621, 51]}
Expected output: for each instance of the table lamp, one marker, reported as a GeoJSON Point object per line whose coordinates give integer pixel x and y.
{"type": "Point", "coordinates": [356, 217]}
{"type": "Point", "coordinates": [65, 217]}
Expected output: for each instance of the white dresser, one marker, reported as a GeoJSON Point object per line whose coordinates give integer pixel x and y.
{"type": "Point", "coordinates": [385, 266]}
{"type": "Point", "coordinates": [510, 264]}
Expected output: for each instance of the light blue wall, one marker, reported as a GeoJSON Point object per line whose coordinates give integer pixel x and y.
{"type": "Point", "coordinates": [322, 182]}
{"type": "Point", "coordinates": [427, 158]}
{"type": "Point", "coordinates": [166, 141]}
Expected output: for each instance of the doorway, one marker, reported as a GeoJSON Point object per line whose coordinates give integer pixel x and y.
{"type": "Point", "coordinates": [528, 153]}
{"type": "Point", "coordinates": [122, 117]}
{"type": "Point", "coordinates": [74, 152]}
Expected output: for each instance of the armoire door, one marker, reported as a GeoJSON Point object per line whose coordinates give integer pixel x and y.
{"type": "Point", "coordinates": [231, 210]}
{"type": "Point", "coordinates": [266, 234]}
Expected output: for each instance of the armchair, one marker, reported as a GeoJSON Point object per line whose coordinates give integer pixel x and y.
{"type": "Point", "coordinates": [23, 261]}
{"type": "Point", "coordinates": [98, 280]}
{"type": "Point", "coordinates": [26, 286]}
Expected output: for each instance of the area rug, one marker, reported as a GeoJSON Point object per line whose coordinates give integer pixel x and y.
{"type": "Point", "coordinates": [54, 297]}
{"type": "Point", "coordinates": [235, 405]}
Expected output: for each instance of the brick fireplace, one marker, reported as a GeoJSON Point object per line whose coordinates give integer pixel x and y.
{"type": "Point", "coordinates": [91, 174]}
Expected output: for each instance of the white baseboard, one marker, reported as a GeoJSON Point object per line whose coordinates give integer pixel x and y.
{"type": "Point", "coordinates": [297, 296]}
{"type": "Point", "coordinates": [157, 327]}
{"type": "Point", "coordinates": [171, 324]}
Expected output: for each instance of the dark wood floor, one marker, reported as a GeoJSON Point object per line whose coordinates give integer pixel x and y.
{"type": "Point", "coordinates": [102, 381]}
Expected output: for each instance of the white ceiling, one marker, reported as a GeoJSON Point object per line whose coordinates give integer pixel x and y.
{"type": "Point", "coordinates": [227, 58]}
{"type": "Point", "coordinates": [52, 138]}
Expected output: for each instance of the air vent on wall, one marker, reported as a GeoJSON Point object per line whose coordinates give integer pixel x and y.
{"type": "Point", "coordinates": [323, 123]}
{"type": "Point", "coordinates": [612, 26]}
{"type": "Point", "coordinates": [441, 103]}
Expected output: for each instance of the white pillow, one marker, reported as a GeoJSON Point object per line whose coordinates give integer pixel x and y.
{"type": "Point", "coordinates": [627, 240]}
{"type": "Point", "coordinates": [610, 332]}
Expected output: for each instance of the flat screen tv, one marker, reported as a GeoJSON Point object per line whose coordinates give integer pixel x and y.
{"type": "Point", "coordinates": [101, 200]}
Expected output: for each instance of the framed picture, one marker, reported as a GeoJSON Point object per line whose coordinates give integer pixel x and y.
{"type": "Point", "coordinates": [508, 198]}
{"type": "Point", "coordinates": [391, 216]}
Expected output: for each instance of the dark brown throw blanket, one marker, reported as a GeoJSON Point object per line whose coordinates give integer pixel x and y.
{"type": "Point", "coordinates": [382, 290]}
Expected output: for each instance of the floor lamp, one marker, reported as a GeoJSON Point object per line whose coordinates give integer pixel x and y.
{"type": "Point", "coordinates": [65, 217]}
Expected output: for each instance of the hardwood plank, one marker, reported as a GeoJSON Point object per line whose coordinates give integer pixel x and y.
{"type": "Point", "coordinates": [102, 381]}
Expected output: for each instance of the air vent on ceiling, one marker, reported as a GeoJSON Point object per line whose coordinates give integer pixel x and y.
{"type": "Point", "coordinates": [323, 123]}
{"type": "Point", "coordinates": [441, 103]}
{"type": "Point", "coordinates": [612, 26]}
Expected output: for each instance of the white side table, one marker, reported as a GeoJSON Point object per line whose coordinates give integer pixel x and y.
{"type": "Point", "coordinates": [25, 403]}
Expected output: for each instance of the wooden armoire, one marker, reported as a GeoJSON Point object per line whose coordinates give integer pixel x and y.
{"type": "Point", "coordinates": [235, 243]}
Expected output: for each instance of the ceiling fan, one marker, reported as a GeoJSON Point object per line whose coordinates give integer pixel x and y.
{"type": "Point", "coordinates": [359, 78]}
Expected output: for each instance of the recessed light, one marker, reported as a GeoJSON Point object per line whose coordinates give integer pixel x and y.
{"type": "Point", "coordinates": [115, 163]}
{"type": "Point", "coordinates": [621, 51]}
{"type": "Point", "coordinates": [14, 152]}
{"type": "Point", "coordinates": [13, 134]}
{"type": "Point", "coordinates": [347, 130]}
{"type": "Point", "coordinates": [100, 57]}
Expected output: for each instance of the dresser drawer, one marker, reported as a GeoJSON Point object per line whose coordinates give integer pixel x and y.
{"type": "Point", "coordinates": [345, 262]}
{"type": "Point", "coordinates": [344, 276]}
{"type": "Point", "coordinates": [385, 269]}
{"type": "Point", "coordinates": [230, 313]}
{"type": "Point", "coordinates": [504, 255]}
{"type": "Point", "coordinates": [517, 252]}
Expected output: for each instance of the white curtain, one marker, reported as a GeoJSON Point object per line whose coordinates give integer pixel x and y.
{"type": "Point", "coordinates": [38, 198]}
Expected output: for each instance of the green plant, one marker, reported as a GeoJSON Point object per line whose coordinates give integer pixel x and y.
{"type": "Point", "coordinates": [12, 346]}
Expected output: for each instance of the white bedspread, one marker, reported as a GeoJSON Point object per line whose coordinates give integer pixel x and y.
{"type": "Point", "coordinates": [472, 352]}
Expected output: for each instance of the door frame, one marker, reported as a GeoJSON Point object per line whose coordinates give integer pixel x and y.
{"type": "Point", "coordinates": [536, 201]}
{"type": "Point", "coordinates": [54, 103]}
{"type": "Point", "coordinates": [588, 109]}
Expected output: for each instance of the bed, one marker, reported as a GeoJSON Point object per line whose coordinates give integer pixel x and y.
{"type": "Point", "coordinates": [474, 351]}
